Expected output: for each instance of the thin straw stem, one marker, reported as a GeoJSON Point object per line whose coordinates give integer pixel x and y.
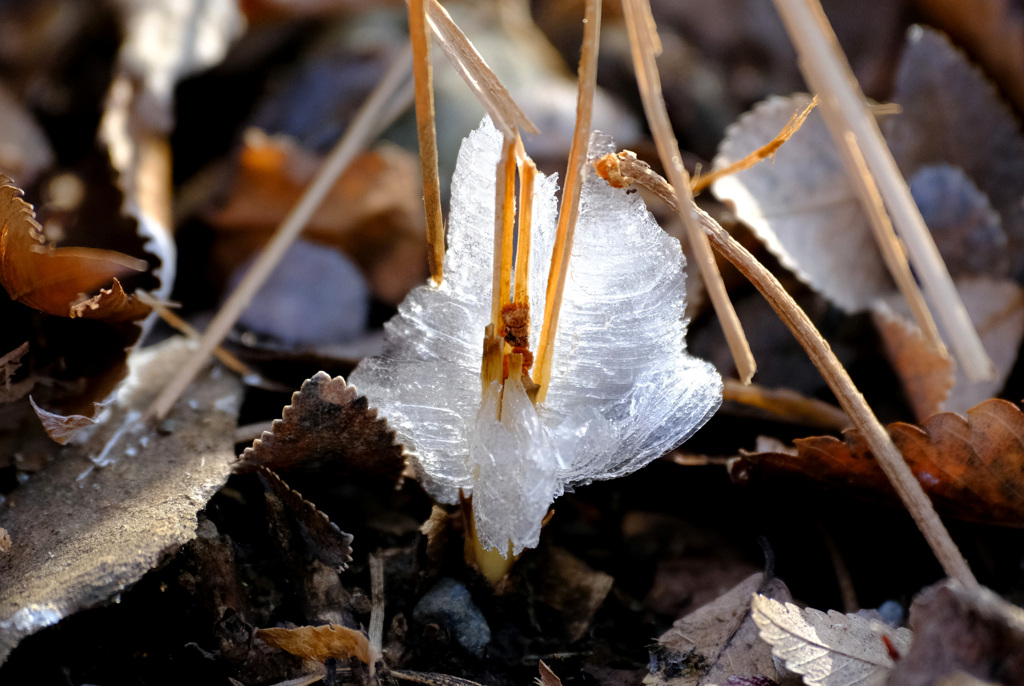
{"type": "Point", "coordinates": [426, 133]}
{"type": "Point", "coordinates": [829, 75]}
{"type": "Point", "coordinates": [569, 209]}
{"type": "Point", "coordinates": [504, 229]}
{"type": "Point", "coordinates": [366, 125]}
{"type": "Point", "coordinates": [818, 349]}
{"type": "Point", "coordinates": [505, 113]}
{"type": "Point", "coordinates": [644, 43]}
{"type": "Point", "coordinates": [527, 179]}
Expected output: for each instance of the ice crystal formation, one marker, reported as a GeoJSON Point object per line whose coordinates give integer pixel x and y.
{"type": "Point", "coordinates": [623, 390]}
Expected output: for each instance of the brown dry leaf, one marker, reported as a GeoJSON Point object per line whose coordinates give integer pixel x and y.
{"type": "Point", "coordinates": [374, 213]}
{"type": "Point", "coordinates": [332, 545]}
{"type": "Point", "coordinates": [935, 384]}
{"type": "Point", "coordinates": [992, 31]}
{"type": "Point", "coordinates": [952, 114]}
{"type": "Point", "coordinates": [573, 588]}
{"type": "Point", "coordinates": [717, 641]}
{"type": "Point", "coordinates": [829, 649]}
{"type": "Point", "coordinates": [801, 204]}
{"type": "Point", "coordinates": [319, 642]}
{"type": "Point", "coordinates": [328, 426]}
{"type": "Point", "coordinates": [122, 501]}
{"type": "Point", "coordinates": [965, 631]}
{"type": "Point", "coordinates": [547, 677]}
{"type": "Point", "coordinates": [51, 279]}
{"type": "Point", "coordinates": [972, 469]}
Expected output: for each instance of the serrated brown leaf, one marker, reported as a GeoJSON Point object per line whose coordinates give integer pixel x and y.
{"type": "Point", "coordinates": [972, 468]}
{"type": "Point", "coordinates": [332, 545]}
{"type": "Point", "coordinates": [328, 426]}
{"type": "Point", "coordinates": [828, 649]}
{"type": "Point", "coordinates": [319, 642]}
{"type": "Point", "coordinates": [51, 279]}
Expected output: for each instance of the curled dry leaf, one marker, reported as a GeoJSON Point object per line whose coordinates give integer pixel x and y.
{"type": "Point", "coordinates": [716, 642]}
{"type": "Point", "coordinates": [83, 534]}
{"type": "Point", "coordinates": [332, 545]}
{"type": "Point", "coordinates": [801, 204]}
{"type": "Point", "coordinates": [829, 649]}
{"type": "Point", "coordinates": [328, 426]}
{"type": "Point", "coordinates": [319, 642]}
{"type": "Point", "coordinates": [51, 279]}
{"type": "Point", "coordinates": [971, 468]}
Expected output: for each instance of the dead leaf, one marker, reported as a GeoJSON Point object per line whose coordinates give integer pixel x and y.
{"type": "Point", "coordinates": [992, 31]}
{"type": "Point", "coordinates": [970, 468]}
{"type": "Point", "coordinates": [967, 230]}
{"type": "Point", "coordinates": [374, 212]}
{"type": "Point", "coordinates": [952, 114]}
{"type": "Point", "coordinates": [717, 641]}
{"type": "Point", "coordinates": [328, 426]}
{"type": "Point", "coordinates": [829, 649]}
{"type": "Point", "coordinates": [319, 642]}
{"type": "Point", "coordinates": [935, 384]}
{"type": "Point", "coordinates": [53, 279]}
{"type": "Point", "coordinates": [801, 204]}
{"type": "Point", "coordinates": [332, 545]}
{"type": "Point", "coordinates": [124, 500]}
{"type": "Point", "coordinates": [573, 588]}
{"type": "Point", "coordinates": [966, 631]}
{"type": "Point", "coordinates": [926, 375]}
{"type": "Point", "coordinates": [547, 677]}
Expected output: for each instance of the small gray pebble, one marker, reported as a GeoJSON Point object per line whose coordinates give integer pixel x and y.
{"type": "Point", "coordinates": [449, 605]}
{"type": "Point", "coordinates": [315, 296]}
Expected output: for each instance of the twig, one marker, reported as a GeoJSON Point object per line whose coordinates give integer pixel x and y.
{"type": "Point", "coordinates": [644, 43]}
{"type": "Point", "coordinates": [173, 320]}
{"type": "Point", "coordinates": [427, 136]}
{"type": "Point", "coordinates": [829, 75]}
{"type": "Point", "coordinates": [569, 209]}
{"type": "Point", "coordinates": [505, 113]}
{"type": "Point", "coordinates": [817, 348]}
{"type": "Point", "coordinates": [367, 123]}
{"type": "Point", "coordinates": [787, 405]}
{"type": "Point", "coordinates": [376, 632]}
{"type": "Point", "coordinates": [767, 150]}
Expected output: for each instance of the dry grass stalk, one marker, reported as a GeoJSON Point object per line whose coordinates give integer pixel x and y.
{"type": "Point", "coordinates": [645, 44]}
{"type": "Point", "coordinates": [369, 121]}
{"type": "Point", "coordinates": [817, 348]}
{"type": "Point", "coordinates": [569, 209]}
{"type": "Point", "coordinates": [843, 105]}
{"type": "Point", "coordinates": [505, 113]}
{"type": "Point", "coordinates": [423, 77]}
{"type": "Point", "coordinates": [766, 151]}
{"type": "Point", "coordinates": [787, 405]}
{"type": "Point", "coordinates": [179, 324]}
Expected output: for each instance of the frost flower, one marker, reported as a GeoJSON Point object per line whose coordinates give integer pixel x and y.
{"type": "Point", "coordinates": [623, 390]}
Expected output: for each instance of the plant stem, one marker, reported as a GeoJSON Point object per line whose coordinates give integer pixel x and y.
{"type": "Point", "coordinates": [643, 39]}
{"type": "Point", "coordinates": [368, 122]}
{"type": "Point", "coordinates": [817, 348]}
{"type": "Point", "coordinates": [426, 133]}
{"type": "Point", "coordinates": [830, 77]}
